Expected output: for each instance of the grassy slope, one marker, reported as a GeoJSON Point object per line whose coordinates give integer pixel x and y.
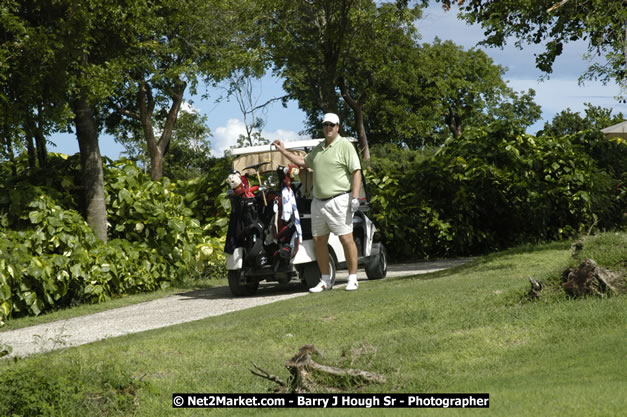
{"type": "Point", "coordinates": [464, 330]}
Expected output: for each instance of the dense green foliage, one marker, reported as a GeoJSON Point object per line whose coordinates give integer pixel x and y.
{"type": "Point", "coordinates": [50, 258]}
{"type": "Point", "coordinates": [128, 67]}
{"type": "Point", "coordinates": [568, 122]}
{"type": "Point", "coordinates": [493, 188]}
{"type": "Point", "coordinates": [363, 60]}
{"type": "Point", "coordinates": [439, 90]}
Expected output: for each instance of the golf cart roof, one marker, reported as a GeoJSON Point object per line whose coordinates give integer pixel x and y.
{"type": "Point", "coordinates": [267, 158]}
{"type": "Point", "coordinates": [299, 144]}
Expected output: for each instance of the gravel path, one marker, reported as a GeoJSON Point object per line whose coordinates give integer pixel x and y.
{"type": "Point", "coordinates": [171, 310]}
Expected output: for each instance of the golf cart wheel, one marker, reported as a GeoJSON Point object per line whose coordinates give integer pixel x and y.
{"type": "Point", "coordinates": [311, 273]}
{"type": "Point", "coordinates": [238, 284]}
{"type": "Point", "coordinates": [377, 266]}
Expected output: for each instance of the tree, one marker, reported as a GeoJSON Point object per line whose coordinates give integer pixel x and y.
{"type": "Point", "coordinates": [518, 109]}
{"type": "Point", "coordinates": [243, 88]}
{"type": "Point", "coordinates": [189, 155]}
{"type": "Point", "coordinates": [392, 34]}
{"type": "Point", "coordinates": [28, 107]}
{"type": "Point", "coordinates": [467, 82]}
{"type": "Point", "coordinates": [145, 53]}
{"type": "Point", "coordinates": [393, 110]}
{"type": "Point", "coordinates": [552, 23]}
{"type": "Point", "coordinates": [181, 42]}
{"type": "Point", "coordinates": [568, 122]}
{"type": "Point", "coordinates": [327, 49]}
{"type": "Point", "coordinates": [437, 90]}
{"type": "Point", "coordinates": [81, 55]}
{"type": "Point", "coordinates": [95, 37]}
{"type": "Point", "coordinates": [189, 149]}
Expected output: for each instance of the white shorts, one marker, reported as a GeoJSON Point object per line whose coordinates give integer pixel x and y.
{"type": "Point", "coordinates": [332, 215]}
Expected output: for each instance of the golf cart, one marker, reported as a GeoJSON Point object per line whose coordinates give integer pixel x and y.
{"type": "Point", "coordinates": [269, 236]}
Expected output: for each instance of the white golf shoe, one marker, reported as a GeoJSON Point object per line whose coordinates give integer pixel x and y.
{"type": "Point", "coordinates": [352, 284]}
{"type": "Point", "coordinates": [320, 287]}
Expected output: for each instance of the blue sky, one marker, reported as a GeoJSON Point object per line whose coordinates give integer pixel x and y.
{"type": "Point", "coordinates": [555, 94]}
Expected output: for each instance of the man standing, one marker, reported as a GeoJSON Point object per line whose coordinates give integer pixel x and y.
{"type": "Point", "coordinates": [337, 180]}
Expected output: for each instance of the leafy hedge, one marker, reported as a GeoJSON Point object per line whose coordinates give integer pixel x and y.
{"type": "Point", "coordinates": [49, 257]}
{"type": "Point", "coordinates": [206, 197]}
{"type": "Point", "coordinates": [494, 188]}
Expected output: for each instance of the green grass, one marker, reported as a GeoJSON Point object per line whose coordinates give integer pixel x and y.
{"type": "Point", "coordinates": [470, 329]}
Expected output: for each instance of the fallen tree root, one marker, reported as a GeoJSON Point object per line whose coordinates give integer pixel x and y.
{"type": "Point", "coordinates": [306, 375]}
{"type": "Point", "coordinates": [589, 279]}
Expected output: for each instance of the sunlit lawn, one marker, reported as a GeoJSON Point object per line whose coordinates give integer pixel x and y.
{"type": "Point", "coordinates": [470, 329]}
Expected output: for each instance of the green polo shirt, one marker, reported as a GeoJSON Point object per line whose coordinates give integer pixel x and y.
{"type": "Point", "coordinates": [333, 167]}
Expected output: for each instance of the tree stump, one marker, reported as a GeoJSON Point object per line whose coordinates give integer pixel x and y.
{"type": "Point", "coordinates": [536, 289]}
{"type": "Point", "coordinates": [306, 375]}
{"type": "Point", "coordinates": [590, 279]}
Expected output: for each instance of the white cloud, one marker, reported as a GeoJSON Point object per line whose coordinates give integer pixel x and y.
{"type": "Point", "coordinates": [188, 107]}
{"type": "Point", "coordinates": [226, 136]}
{"type": "Point", "coordinates": [284, 135]}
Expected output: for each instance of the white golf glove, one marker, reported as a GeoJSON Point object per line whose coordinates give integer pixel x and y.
{"type": "Point", "coordinates": [354, 205]}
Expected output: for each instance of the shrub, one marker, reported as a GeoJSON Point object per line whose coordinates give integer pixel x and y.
{"type": "Point", "coordinates": [159, 215]}
{"type": "Point", "coordinates": [57, 262]}
{"type": "Point", "coordinates": [41, 261]}
{"type": "Point", "coordinates": [206, 197]}
{"type": "Point", "coordinates": [492, 188]}
{"type": "Point", "coordinates": [49, 257]}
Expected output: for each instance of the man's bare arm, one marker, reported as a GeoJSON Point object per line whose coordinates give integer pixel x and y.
{"type": "Point", "coordinates": [297, 159]}
{"type": "Point", "coordinates": [356, 182]}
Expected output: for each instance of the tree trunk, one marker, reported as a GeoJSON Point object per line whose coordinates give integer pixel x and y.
{"type": "Point", "coordinates": [7, 138]}
{"type": "Point", "coordinates": [11, 154]}
{"type": "Point", "coordinates": [328, 83]}
{"type": "Point", "coordinates": [30, 149]}
{"type": "Point", "coordinates": [29, 129]}
{"type": "Point", "coordinates": [40, 141]}
{"type": "Point", "coordinates": [42, 150]}
{"type": "Point", "coordinates": [359, 118]}
{"type": "Point", "coordinates": [454, 124]}
{"type": "Point", "coordinates": [590, 279]}
{"type": "Point", "coordinates": [158, 149]}
{"type": "Point", "coordinates": [328, 97]}
{"type": "Point", "coordinates": [91, 168]}
{"type": "Point", "coordinates": [39, 150]}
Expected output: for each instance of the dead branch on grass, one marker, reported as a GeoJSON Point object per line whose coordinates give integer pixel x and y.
{"type": "Point", "coordinates": [306, 374]}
